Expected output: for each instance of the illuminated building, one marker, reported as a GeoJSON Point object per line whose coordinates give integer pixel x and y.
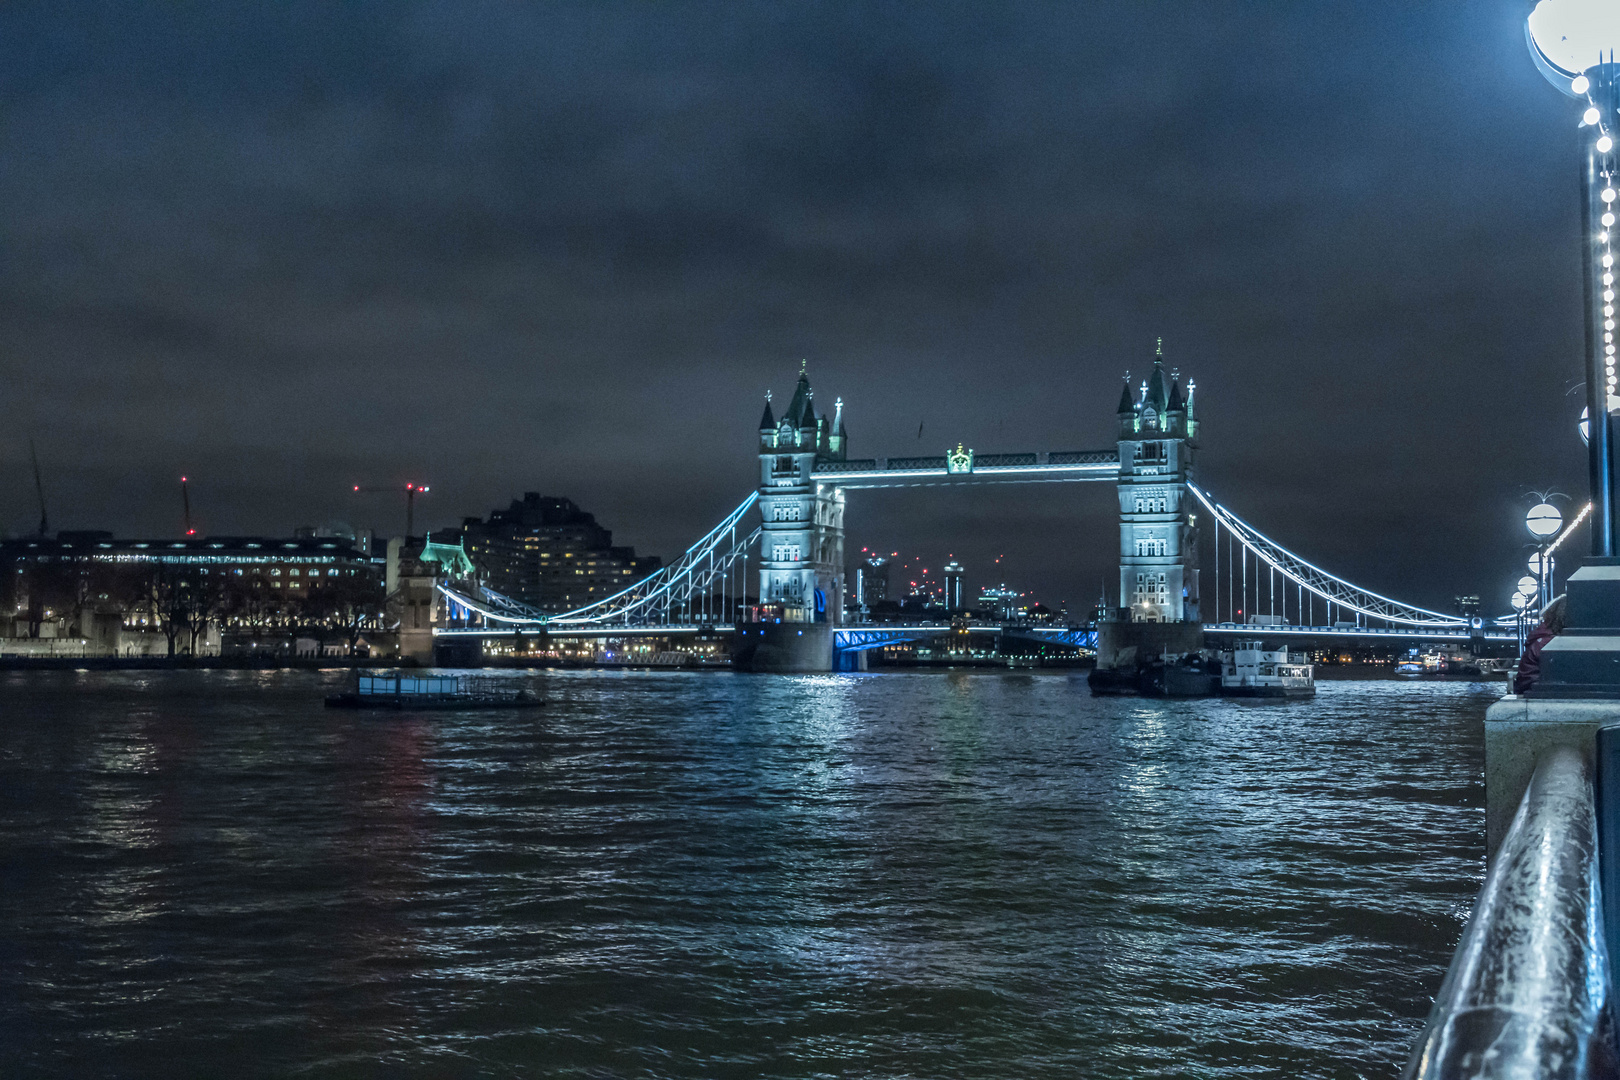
{"type": "Point", "coordinates": [801, 547]}
{"type": "Point", "coordinates": [90, 584]}
{"type": "Point", "coordinates": [953, 586]}
{"type": "Point", "coordinates": [550, 554]}
{"type": "Point", "coordinates": [1158, 579]}
{"type": "Point", "coordinates": [872, 580]}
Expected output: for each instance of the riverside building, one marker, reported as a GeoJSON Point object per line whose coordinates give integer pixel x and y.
{"type": "Point", "coordinates": [550, 554]}
{"type": "Point", "coordinates": [96, 589]}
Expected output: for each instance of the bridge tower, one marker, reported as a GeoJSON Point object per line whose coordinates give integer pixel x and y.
{"type": "Point", "coordinates": [1158, 544]}
{"type": "Point", "coordinates": [801, 549]}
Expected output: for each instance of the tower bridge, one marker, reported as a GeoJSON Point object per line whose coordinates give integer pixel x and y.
{"type": "Point", "coordinates": [787, 611]}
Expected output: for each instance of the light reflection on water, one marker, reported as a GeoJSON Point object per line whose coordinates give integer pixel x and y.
{"type": "Point", "coordinates": [711, 874]}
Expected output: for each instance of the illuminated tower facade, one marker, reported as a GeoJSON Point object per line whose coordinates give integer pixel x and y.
{"type": "Point", "coordinates": [1158, 542]}
{"type": "Point", "coordinates": [801, 569]}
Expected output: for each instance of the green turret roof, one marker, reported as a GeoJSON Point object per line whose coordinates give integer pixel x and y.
{"type": "Point", "coordinates": [452, 558]}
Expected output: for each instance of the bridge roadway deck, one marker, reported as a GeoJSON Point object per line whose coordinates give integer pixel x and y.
{"type": "Point", "coordinates": [870, 635]}
{"type": "Point", "coordinates": [598, 630]}
{"type": "Point", "coordinates": [853, 636]}
{"type": "Point", "coordinates": [1379, 633]}
{"type": "Point", "coordinates": [1058, 466]}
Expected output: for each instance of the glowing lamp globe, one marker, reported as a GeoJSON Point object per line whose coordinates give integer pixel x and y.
{"type": "Point", "coordinates": [1540, 564]}
{"type": "Point", "coordinates": [1543, 519]}
{"type": "Point", "coordinates": [1570, 37]}
{"type": "Point", "coordinates": [1614, 407]}
{"type": "Point", "coordinates": [1519, 601]}
{"type": "Point", "coordinates": [1527, 586]}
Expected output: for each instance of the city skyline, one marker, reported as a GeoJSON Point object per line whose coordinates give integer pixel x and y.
{"type": "Point", "coordinates": [437, 247]}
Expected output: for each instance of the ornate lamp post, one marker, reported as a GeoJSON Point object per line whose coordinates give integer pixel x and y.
{"type": "Point", "coordinates": [1543, 521]}
{"type": "Point", "coordinates": [1575, 45]}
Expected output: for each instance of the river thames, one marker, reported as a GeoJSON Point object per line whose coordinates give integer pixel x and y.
{"type": "Point", "coordinates": [720, 875]}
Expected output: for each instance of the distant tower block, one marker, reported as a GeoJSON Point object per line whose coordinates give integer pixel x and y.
{"type": "Point", "coordinates": [953, 586]}
{"type": "Point", "coordinates": [1158, 545]}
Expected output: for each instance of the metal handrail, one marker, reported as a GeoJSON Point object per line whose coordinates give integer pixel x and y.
{"type": "Point", "coordinates": [1526, 991]}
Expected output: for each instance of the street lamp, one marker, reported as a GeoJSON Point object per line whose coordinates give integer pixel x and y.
{"type": "Point", "coordinates": [1574, 44]}
{"type": "Point", "coordinates": [1543, 521]}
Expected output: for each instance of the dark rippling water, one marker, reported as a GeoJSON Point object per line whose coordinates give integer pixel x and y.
{"type": "Point", "coordinates": [714, 875]}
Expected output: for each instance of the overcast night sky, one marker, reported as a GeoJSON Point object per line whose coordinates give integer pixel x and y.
{"type": "Point", "coordinates": [499, 247]}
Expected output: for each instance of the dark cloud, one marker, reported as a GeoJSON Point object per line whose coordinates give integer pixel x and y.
{"type": "Point", "coordinates": [506, 247]}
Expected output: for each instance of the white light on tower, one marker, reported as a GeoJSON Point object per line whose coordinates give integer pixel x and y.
{"type": "Point", "coordinates": [1539, 564]}
{"type": "Point", "coordinates": [1570, 37]}
{"type": "Point", "coordinates": [1543, 519]}
{"type": "Point", "coordinates": [1519, 601]}
{"type": "Point", "coordinates": [1528, 586]}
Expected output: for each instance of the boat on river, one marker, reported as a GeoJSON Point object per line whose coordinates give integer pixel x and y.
{"type": "Point", "coordinates": [1250, 670]}
{"type": "Point", "coordinates": [394, 690]}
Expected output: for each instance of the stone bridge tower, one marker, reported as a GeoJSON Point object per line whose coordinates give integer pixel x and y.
{"type": "Point", "coordinates": [1158, 541]}
{"type": "Point", "coordinates": [801, 551]}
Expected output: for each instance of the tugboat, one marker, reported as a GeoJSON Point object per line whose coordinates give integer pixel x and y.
{"type": "Point", "coordinates": [396, 691]}
{"type": "Point", "coordinates": [1252, 671]}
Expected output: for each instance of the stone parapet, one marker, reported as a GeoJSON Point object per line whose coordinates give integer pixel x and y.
{"type": "Point", "coordinates": [1519, 731]}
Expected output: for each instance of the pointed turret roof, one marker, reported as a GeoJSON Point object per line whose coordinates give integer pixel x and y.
{"type": "Point", "coordinates": [1156, 394]}
{"type": "Point", "coordinates": [1126, 405]}
{"type": "Point", "coordinates": [1178, 403]}
{"type": "Point", "coordinates": [767, 422]}
{"type": "Point", "coordinates": [799, 412]}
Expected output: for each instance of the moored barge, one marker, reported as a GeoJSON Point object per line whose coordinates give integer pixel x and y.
{"type": "Point", "coordinates": [392, 690]}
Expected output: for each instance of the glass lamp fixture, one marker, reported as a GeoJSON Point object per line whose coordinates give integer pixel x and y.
{"type": "Point", "coordinates": [1543, 519]}
{"type": "Point", "coordinates": [1569, 37]}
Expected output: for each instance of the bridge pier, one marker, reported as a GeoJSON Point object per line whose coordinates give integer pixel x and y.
{"type": "Point", "coordinates": [783, 647]}
{"type": "Point", "coordinates": [1149, 640]}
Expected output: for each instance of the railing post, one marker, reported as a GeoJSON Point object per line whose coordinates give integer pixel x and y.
{"type": "Point", "coordinates": [1606, 785]}
{"type": "Point", "coordinates": [1527, 993]}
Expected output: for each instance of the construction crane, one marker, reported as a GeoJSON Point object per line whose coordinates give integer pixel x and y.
{"type": "Point", "coordinates": [39, 489]}
{"type": "Point", "coordinates": [411, 492]}
{"type": "Point", "coordinates": [185, 499]}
